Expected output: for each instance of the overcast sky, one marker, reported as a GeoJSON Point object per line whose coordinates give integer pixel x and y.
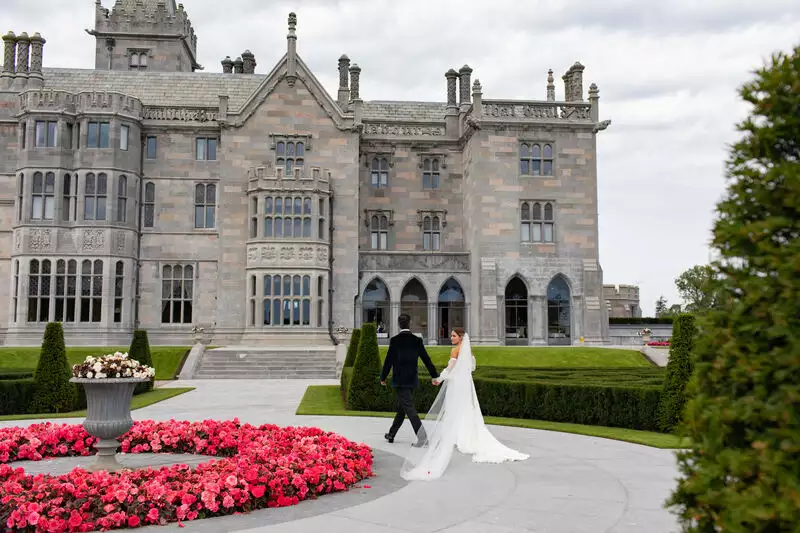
{"type": "Point", "coordinates": [667, 70]}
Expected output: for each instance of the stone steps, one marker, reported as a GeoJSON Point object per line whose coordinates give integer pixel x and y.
{"type": "Point", "coordinates": [273, 362]}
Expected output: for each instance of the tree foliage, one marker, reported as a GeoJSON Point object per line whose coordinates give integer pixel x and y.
{"type": "Point", "coordinates": [54, 392]}
{"type": "Point", "coordinates": [364, 389]}
{"type": "Point", "coordinates": [661, 306]}
{"type": "Point", "coordinates": [140, 351]}
{"type": "Point", "coordinates": [696, 288]}
{"type": "Point", "coordinates": [742, 472]}
{"type": "Point", "coordinates": [679, 370]}
{"type": "Point", "coordinates": [352, 348]}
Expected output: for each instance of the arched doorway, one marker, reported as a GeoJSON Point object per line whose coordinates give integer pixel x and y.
{"type": "Point", "coordinates": [451, 309]}
{"type": "Point", "coordinates": [559, 316]}
{"type": "Point", "coordinates": [516, 332]}
{"type": "Point", "coordinates": [375, 307]}
{"type": "Point", "coordinates": [414, 302]}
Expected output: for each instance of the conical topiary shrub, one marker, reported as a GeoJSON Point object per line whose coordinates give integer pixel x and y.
{"type": "Point", "coordinates": [140, 351]}
{"type": "Point", "coordinates": [679, 370]}
{"type": "Point", "coordinates": [349, 361]}
{"type": "Point", "coordinates": [54, 392]}
{"type": "Point", "coordinates": [364, 389]}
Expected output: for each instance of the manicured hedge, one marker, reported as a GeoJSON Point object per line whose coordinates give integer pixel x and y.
{"type": "Point", "coordinates": [54, 392]}
{"type": "Point", "coordinates": [16, 395]}
{"type": "Point", "coordinates": [626, 398]}
{"type": "Point", "coordinates": [15, 374]}
{"type": "Point", "coordinates": [640, 320]}
{"type": "Point", "coordinates": [350, 359]}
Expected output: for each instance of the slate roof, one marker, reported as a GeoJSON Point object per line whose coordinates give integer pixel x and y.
{"type": "Point", "coordinates": [159, 88]}
{"type": "Point", "coordinates": [421, 111]}
{"type": "Point", "coordinates": [202, 89]}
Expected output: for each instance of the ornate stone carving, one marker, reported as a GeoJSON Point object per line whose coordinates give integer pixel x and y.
{"type": "Point", "coordinates": [119, 242]}
{"type": "Point", "coordinates": [94, 239]}
{"type": "Point", "coordinates": [40, 240]}
{"type": "Point", "coordinates": [180, 114]}
{"type": "Point", "coordinates": [23, 49]}
{"type": "Point", "coordinates": [603, 124]}
{"type": "Point", "coordinates": [403, 130]}
{"type": "Point", "coordinates": [9, 52]}
{"type": "Point", "coordinates": [414, 262]}
{"type": "Point", "coordinates": [538, 110]}
{"type": "Point", "coordinates": [344, 64]}
{"type": "Point", "coordinates": [451, 76]}
{"type": "Point", "coordinates": [17, 240]}
{"type": "Point", "coordinates": [355, 77]}
{"type": "Point", "coordinates": [464, 85]}
{"type": "Point", "coordinates": [282, 254]}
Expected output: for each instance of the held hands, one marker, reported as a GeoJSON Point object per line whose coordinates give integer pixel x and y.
{"type": "Point", "coordinates": [436, 382]}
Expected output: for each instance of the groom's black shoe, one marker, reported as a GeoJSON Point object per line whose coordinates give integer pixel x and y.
{"type": "Point", "coordinates": [389, 438]}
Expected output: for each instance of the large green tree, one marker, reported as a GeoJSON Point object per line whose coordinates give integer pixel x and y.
{"type": "Point", "coordinates": [742, 471]}
{"type": "Point", "coordinates": [661, 306]}
{"type": "Point", "coordinates": [696, 288]}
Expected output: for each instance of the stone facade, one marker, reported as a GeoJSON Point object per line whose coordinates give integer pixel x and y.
{"type": "Point", "coordinates": [622, 301]}
{"type": "Point", "coordinates": [264, 210]}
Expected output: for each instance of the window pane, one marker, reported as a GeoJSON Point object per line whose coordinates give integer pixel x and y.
{"type": "Point", "coordinates": [104, 134]}
{"type": "Point", "coordinates": [296, 286]}
{"type": "Point", "coordinates": [88, 208]}
{"type": "Point", "coordinates": [212, 149]}
{"type": "Point", "coordinates": [123, 137]}
{"type": "Point", "coordinates": [298, 231]}
{"type": "Point", "coordinates": [384, 179]}
{"type": "Point", "coordinates": [307, 206]}
{"type": "Point", "coordinates": [278, 227]}
{"type": "Point", "coordinates": [548, 211]}
{"type": "Point", "coordinates": [525, 230]}
{"type": "Point", "coordinates": [276, 285]}
{"type": "Point", "coordinates": [547, 169]}
{"type": "Point", "coordinates": [426, 180]}
{"type": "Point", "coordinates": [101, 209]}
{"type": "Point", "coordinates": [267, 285]}
{"type": "Point", "coordinates": [436, 244]}
{"type": "Point", "coordinates": [201, 149]}
{"type": "Point", "coordinates": [268, 227]}
{"type": "Point", "coordinates": [152, 145]}
{"type": "Point", "coordinates": [102, 184]}
{"type": "Point", "coordinates": [199, 193]}
{"type": "Point", "coordinates": [49, 207]}
{"type": "Point", "coordinates": [306, 285]}
{"type": "Point", "coordinates": [198, 216]}
{"type": "Point", "coordinates": [150, 192]}
{"type": "Point", "coordinates": [287, 285]}
{"type": "Point", "coordinates": [92, 135]}
{"type": "Point", "coordinates": [536, 168]}
{"type": "Point", "coordinates": [526, 211]}
{"type": "Point", "coordinates": [37, 207]}
{"type": "Point", "coordinates": [298, 206]}
{"type": "Point", "coordinates": [300, 149]}
{"type": "Point", "coordinates": [537, 232]}
{"type": "Point", "coordinates": [426, 224]}
{"type": "Point", "coordinates": [524, 167]}
{"type": "Point", "coordinates": [38, 183]}
{"type": "Point", "coordinates": [276, 312]}
{"type": "Point", "coordinates": [280, 148]}
{"type": "Point", "coordinates": [537, 211]}
{"type": "Point", "coordinates": [211, 194]}
{"type": "Point", "coordinates": [41, 133]}
{"type": "Point", "coordinates": [210, 217]}
{"type": "Point", "coordinates": [548, 233]}
{"type": "Point", "coordinates": [306, 227]}
{"type": "Point", "coordinates": [374, 240]}
{"type": "Point", "coordinates": [426, 241]}
{"type": "Point", "coordinates": [52, 134]}
{"type": "Point", "coordinates": [536, 151]}
{"type": "Point", "coordinates": [306, 312]}
{"type": "Point", "coordinates": [384, 164]}
{"type": "Point", "coordinates": [548, 151]}
{"type": "Point", "coordinates": [278, 206]}
{"type": "Point", "coordinates": [289, 149]}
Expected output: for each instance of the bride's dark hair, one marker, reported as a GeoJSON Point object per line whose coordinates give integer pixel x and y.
{"type": "Point", "coordinates": [460, 332]}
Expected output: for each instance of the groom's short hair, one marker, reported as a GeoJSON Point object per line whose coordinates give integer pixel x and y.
{"type": "Point", "coordinates": [404, 321]}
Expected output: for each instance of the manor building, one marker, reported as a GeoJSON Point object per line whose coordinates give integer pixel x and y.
{"type": "Point", "coordinates": [262, 209]}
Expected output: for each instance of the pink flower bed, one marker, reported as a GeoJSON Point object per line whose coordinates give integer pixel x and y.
{"type": "Point", "coordinates": [258, 467]}
{"type": "Point", "coordinates": [658, 343]}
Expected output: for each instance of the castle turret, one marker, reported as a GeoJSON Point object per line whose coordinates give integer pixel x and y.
{"type": "Point", "coordinates": [158, 30]}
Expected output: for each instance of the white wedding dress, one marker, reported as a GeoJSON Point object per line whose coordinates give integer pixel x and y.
{"type": "Point", "coordinates": [455, 421]}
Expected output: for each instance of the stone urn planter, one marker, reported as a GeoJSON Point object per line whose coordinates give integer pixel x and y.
{"type": "Point", "coordinates": [108, 416]}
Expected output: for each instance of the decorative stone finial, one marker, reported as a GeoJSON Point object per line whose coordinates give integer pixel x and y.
{"type": "Point", "coordinates": [551, 88]}
{"type": "Point", "coordinates": [594, 92]}
{"type": "Point", "coordinates": [238, 66]}
{"type": "Point", "coordinates": [292, 22]}
{"type": "Point", "coordinates": [476, 86]}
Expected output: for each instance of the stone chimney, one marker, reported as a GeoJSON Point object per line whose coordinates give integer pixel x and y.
{"type": "Point", "coordinates": [249, 62]}
{"type": "Point", "coordinates": [464, 85]}
{"type": "Point", "coordinates": [477, 97]}
{"type": "Point", "coordinates": [573, 83]}
{"type": "Point", "coordinates": [551, 88]}
{"type": "Point", "coordinates": [9, 59]}
{"type": "Point", "coordinates": [227, 65]}
{"type": "Point", "coordinates": [594, 99]}
{"type": "Point", "coordinates": [355, 75]}
{"type": "Point", "coordinates": [344, 81]}
{"type": "Point", "coordinates": [37, 49]}
{"type": "Point", "coordinates": [238, 66]}
{"type": "Point", "coordinates": [23, 54]}
{"type": "Point", "coordinates": [451, 76]}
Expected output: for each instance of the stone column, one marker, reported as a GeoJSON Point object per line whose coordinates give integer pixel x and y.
{"type": "Point", "coordinates": [537, 308]}
{"type": "Point", "coordinates": [291, 50]}
{"type": "Point", "coordinates": [259, 302]}
{"type": "Point", "coordinates": [433, 323]}
{"type": "Point", "coordinates": [9, 59]}
{"type": "Point", "coordinates": [464, 84]}
{"type": "Point", "coordinates": [355, 77]}
{"type": "Point", "coordinates": [551, 88]}
{"type": "Point", "coordinates": [227, 65]}
{"type": "Point", "coordinates": [248, 62]}
{"type": "Point", "coordinates": [37, 48]}
{"type": "Point", "coordinates": [576, 320]}
{"type": "Point", "coordinates": [238, 66]}
{"type": "Point", "coordinates": [344, 81]}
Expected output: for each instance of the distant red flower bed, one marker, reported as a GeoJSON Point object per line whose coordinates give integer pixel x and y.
{"type": "Point", "coordinates": [658, 343]}
{"type": "Point", "coordinates": [257, 467]}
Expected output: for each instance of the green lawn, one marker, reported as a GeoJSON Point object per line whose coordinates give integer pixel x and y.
{"type": "Point", "coordinates": [325, 400]}
{"type": "Point", "coordinates": [530, 357]}
{"type": "Point", "coordinates": [166, 359]}
{"type": "Point", "coordinates": [139, 401]}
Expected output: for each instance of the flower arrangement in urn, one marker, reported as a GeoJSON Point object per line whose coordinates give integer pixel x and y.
{"type": "Point", "coordinates": [113, 365]}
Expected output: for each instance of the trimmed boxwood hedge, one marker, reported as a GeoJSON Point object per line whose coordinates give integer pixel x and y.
{"type": "Point", "coordinates": [640, 320]}
{"type": "Point", "coordinates": [16, 395]}
{"type": "Point", "coordinates": [627, 398]}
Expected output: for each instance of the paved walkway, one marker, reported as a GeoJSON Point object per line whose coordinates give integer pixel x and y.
{"type": "Point", "coordinates": [571, 483]}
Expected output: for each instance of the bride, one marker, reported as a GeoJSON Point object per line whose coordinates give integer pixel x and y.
{"type": "Point", "coordinates": [455, 421]}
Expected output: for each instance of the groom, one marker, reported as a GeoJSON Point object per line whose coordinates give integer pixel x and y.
{"type": "Point", "coordinates": [404, 350]}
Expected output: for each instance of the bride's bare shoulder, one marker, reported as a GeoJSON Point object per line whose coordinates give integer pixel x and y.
{"type": "Point", "coordinates": [454, 351]}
